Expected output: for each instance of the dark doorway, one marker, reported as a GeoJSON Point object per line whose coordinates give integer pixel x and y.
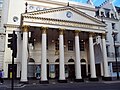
{"type": "Point", "coordinates": [98, 70]}
{"type": "Point", "coordinates": [71, 71]}
{"type": "Point", "coordinates": [57, 71]}
{"type": "Point", "coordinates": [48, 71]}
{"type": "Point", "coordinates": [10, 71]}
{"type": "Point", "coordinates": [83, 71]}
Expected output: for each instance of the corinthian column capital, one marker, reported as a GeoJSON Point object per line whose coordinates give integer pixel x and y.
{"type": "Point", "coordinates": [77, 32]}
{"type": "Point", "coordinates": [61, 31]}
{"type": "Point", "coordinates": [44, 29]}
{"type": "Point", "coordinates": [25, 28]}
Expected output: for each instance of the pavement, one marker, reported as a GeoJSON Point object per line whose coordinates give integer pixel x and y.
{"type": "Point", "coordinates": [17, 84]}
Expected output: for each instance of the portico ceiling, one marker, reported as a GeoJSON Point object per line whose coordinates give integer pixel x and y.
{"type": "Point", "coordinates": [64, 17]}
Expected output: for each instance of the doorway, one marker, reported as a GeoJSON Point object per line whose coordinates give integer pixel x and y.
{"type": "Point", "coordinates": [57, 71]}
{"type": "Point", "coordinates": [98, 70]}
{"type": "Point", "coordinates": [71, 71]}
{"type": "Point", "coordinates": [83, 71]}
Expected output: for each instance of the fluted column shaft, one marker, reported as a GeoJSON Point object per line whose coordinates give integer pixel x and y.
{"type": "Point", "coordinates": [24, 55]}
{"type": "Point", "coordinates": [77, 56]}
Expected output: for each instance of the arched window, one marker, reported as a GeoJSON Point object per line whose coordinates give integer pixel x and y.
{"type": "Point", "coordinates": [83, 61]}
{"type": "Point", "coordinates": [70, 60]}
{"type": "Point", "coordinates": [57, 60]}
{"type": "Point", "coordinates": [31, 60]}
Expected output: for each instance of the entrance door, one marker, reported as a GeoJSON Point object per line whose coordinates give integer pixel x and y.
{"type": "Point", "coordinates": [98, 70]}
{"type": "Point", "coordinates": [83, 71]}
{"type": "Point", "coordinates": [10, 71]}
{"type": "Point", "coordinates": [48, 71]}
{"type": "Point", "coordinates": [71, 71]}
{"type": "Point", "coordinates": [57, 71]}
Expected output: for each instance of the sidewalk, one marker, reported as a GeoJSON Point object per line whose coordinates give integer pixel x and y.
{"type": "Point", "coordinates": [7, 83]}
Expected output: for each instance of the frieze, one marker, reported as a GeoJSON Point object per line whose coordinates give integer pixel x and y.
{"type": "Point", "coordinates": [63, 22]}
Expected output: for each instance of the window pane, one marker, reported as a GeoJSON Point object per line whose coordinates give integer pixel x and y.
{"type": "Point", "coordinates": [82, 45]}
{"type": "Point", "coordinates": [56, 45]}
{"type": "Point", "coordinates": [70, 45]}
{"type": "Point", "coordinates": [113, 25]}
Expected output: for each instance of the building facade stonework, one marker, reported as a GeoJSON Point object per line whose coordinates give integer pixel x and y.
{"type": "Point", "coordinates": [60, 40]}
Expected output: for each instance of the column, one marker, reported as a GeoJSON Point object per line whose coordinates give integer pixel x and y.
{"type": "Point", "coordinates": [105, 63]}
{"type": "Point", "coordinates": [77, 56]}
{"type": "Point", "coordinates": [24, 55]}
{"type": "Point", "coordinates": [61, 56]}
{"type": "Point", "coordinates": [92, 59]}
{"type": "Point", "coordinates": [101, 67]}
{"type": "Point", "coordinates": [44, 57]}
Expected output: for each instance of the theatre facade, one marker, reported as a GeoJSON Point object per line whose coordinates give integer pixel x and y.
{"type": "Point", "coordinates": [62, 42]}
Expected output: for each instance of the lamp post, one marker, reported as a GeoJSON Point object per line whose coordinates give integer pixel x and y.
{"type": "Point", "coordinates": [113, 35]}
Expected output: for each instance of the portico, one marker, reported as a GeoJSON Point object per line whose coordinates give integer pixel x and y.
{"type": "Point", "coordinates": [65, 25]}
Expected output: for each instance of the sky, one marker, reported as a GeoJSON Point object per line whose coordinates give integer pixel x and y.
{"type": "Point", "coordinates": [99, 2]}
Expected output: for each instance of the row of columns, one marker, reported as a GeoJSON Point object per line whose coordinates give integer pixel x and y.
{"type": "Point", "coordinates": [61, 57]}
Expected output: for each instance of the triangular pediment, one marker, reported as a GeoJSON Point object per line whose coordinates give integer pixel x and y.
{"type": "Point", "coordinates": [69, 14]}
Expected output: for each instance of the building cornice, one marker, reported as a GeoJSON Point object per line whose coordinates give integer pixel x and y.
{"type": "Point", "coordinates": [11, 26]}
{"type": "Point", "coordinates": [61, 9]}
{"type": "Point", "coordinates": [85, 7]}
{"type": "Point", "coordinates": [62, 22]}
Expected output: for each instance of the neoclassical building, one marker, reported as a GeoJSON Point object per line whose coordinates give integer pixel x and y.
{"type": "Point", "coordinates": [55, 40]}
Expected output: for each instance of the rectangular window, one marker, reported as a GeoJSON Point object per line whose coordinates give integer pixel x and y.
{"type": "Point", "coordinates": [107, 49]}
{"type": "Point", "coordinates": [116, 35]}
{"type": "Point", "coordinates": [113, 25]}
{"type": "Point", "coordinates": [117, 51]}
{"type": "Point", "coordinates": [102, 13]}
{"type": "Point", "coordinates": [112, 15]}
{"type": "Point", "coordinates": [57, 45]}
{"type": "Point", "coordinates": [114, 66]}
{"type": "Point", "coordinates": [82, 48]}
{"type": "Point", "coordinates": [70, 45]}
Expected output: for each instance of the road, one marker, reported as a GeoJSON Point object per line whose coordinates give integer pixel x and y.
{"type": "Point", "coordinates": [68, 86]}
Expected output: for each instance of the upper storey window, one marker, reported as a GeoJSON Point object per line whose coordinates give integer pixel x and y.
{"type": "Point", "coordinates": [113, 25]}
{"type": "Point", "coordinates": [70, 45]}
{"type": "Point", "coordinates": [112, 15]}
{"type": "Point", "coordinates": [102, 13]}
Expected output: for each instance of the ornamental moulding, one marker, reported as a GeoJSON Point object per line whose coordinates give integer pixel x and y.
{"type": "Point", "coordinates": [11, 26]}
{"type": "Point", "coordinates": [61, 22]}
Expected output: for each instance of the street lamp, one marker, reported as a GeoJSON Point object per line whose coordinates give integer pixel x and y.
{"type": "Point", "coordinates": [113, 35]}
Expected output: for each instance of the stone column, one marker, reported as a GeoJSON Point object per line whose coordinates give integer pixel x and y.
{"type": "Point", "coordinates": [77, 56]}
{"type": "Point", "coordinates": [24, 55]}
{"type": "Point", "coordinates": [44, 57]}
{"type": "Point", "coordinates": [101, 67]}
{"type": "Point", "coordinates": [92, 59]}
{"type": "Point", "coordinates": [61, 56]}
{"type": "Point", "coordinates": [105, 62]}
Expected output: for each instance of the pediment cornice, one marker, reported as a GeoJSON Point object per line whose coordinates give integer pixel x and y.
{"type": "Point", "coordinates": [35, 14]}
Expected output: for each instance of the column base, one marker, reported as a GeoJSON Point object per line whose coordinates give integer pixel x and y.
{"type": "Point", "coordinates": [44, 82]}
{"type": "Point", "coordinates": [79, 80]}
{"type": "Point", "coordinates": [93, 79]}
{"type": "Point", "coordinates": [107, 78]}
{"type": "Point", "coordinates": [62, 81]}
{"type": "Point", "coordinates": [24, 82]}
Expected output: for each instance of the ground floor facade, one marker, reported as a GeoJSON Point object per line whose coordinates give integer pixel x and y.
{"type": "Point", "coordinates": [56, 47]}
{"type": "Point", "coordinates": [67, 54]}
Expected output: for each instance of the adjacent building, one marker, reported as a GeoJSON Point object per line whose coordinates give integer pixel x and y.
{"type": "Point", "coordinates": [61, 40]}
{"type": "Point", "coordinates": [2, 38]}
